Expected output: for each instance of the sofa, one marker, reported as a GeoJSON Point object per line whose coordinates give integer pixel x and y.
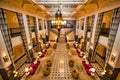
{"type": "Point", "coordinates": [43, 53]}
{"type": "Point", "coordinates": [48, 46]}
{"type": "Point", "coordinates": [80, 53]}
{"type": "Point", "coordinates": [87, 67]}
{"type": "Point", "coordinates": [75, 45]}
{"type": "Point", "coordinates": [33, 67]}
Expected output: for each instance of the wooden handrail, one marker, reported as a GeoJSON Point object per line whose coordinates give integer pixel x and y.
{"type": "Point", "coordinates": [15, 31]}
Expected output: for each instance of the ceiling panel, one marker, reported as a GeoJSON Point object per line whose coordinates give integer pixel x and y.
{"type": "Point", "coordinates": [59, 1]}
{"type": "Point", "coordinates": [67, 7]}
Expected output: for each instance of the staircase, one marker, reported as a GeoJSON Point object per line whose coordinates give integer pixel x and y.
{"type": "Point", "coordinates": [69, 31]}
{"type": "Point", "coordinates": [54, 31]}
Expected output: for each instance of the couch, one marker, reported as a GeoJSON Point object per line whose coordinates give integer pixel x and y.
{"type": "Point", "coordinates": [79, 53]}
{"type": "Point", "coordinates": [75, 45]}
{"type": "Point", "coordinates": [48, 46]}
{"type": "Point", "coordinates": [43, 53]}
{"type": "Point", "coordinates": [87, 67]}
{"type": "Point", "coordinates": [33, 67]}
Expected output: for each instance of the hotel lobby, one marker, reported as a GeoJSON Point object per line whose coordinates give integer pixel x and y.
{"type": "Point", "coordinates": [59, 39]}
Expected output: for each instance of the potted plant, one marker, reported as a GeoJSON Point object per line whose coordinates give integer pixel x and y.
{"type": "Point", "coordinates": [55, 46]}
{"type": "Point", "coordinates": [75, 74]}
{"type": "Point", "coordinates": [49, 63]}
{"type": "Point", "coordinates": [71, 63]}
{"type": "Point", "coordinates": [47, 71]}
{"type": "Point", "coordinates": [68, 46]}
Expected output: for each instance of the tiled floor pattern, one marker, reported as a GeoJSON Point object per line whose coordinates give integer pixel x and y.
{"type": "Point", "coordinates": [98, 68]}
{"type": "Point", "coordinates": [22, 68]}
{"type": "Point", "coordinates": [60, 68]}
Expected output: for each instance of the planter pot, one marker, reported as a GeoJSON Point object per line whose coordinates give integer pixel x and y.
{"type": "Point", "coordinates": [75, 74]}
{"type": "Point", "coordinates": [71, 63]}
{"type": "Point", "coordinates": [47, 71]}
{"type": "Point", "coordinates": [68, 46]}
{"type": "Point", "coordinates": [55, 46]}
{"type": "Point", "coordinates": [49, 63]}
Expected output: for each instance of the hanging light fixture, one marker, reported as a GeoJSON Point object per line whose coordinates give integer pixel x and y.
{"type": "Point", "coordinates": [58, 22]}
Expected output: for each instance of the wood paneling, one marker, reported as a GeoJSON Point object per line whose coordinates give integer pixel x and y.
{"type": "Point", "coordinates": [11, 19]}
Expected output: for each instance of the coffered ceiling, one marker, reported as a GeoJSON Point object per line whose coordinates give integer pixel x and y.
{"type": "Point", "coordinates": [71, 9]}
{"type": "Point", "coordinates": [67, 7]}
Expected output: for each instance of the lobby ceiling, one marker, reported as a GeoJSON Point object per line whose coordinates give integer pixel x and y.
{"type": "Point", "coordinates": [67, 7]}
{"type": "Point", "coordinates": [70, 9]}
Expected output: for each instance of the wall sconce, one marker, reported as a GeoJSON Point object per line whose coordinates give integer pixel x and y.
{"type": "Point", "coordinates": [103, 73]}
{"type": "Point", "coordinates": [15, 73]}
{"type": "Point", "coordinates": [110, 72]}
{"type": "Point", "coordinates": [112, 58]}
{"type": "Point", "coordinates": [5, 58]}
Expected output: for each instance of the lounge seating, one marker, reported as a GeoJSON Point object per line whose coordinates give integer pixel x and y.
{"type": "Point", "coordinates": [75, 45]}
{"type": "Point", "coordinates": [33, 67]}
{"type": "Point", "coordinates": [75, 74]}
{"type": "Point", "coordinates": [80, 53]}
{"type": "Point", "coordinates": [88, 67]}
{"type": "Point", "coordinates": [48, 46]}
{"type": "Point", "coordinates": [43, 53]}
{"type": "Point", "coordinates": [47, 71]}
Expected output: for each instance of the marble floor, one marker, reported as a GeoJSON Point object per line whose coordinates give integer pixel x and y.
{"type": "Point", "coordinates": [60, 69]}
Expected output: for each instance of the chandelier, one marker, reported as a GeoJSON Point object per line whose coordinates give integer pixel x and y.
{"type": "Point", "coordinates": [58, 22]}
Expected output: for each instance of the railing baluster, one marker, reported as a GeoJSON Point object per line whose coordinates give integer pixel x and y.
{"type": "Point", "coordinates": [15, 32]}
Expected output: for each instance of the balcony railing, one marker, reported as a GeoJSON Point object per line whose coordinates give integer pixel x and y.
{"type": "Point", "coordinates": [15, 32]}
{"type": "Point", "coordinates": [32, 28]}
{"type": "Point", "coordinates": [105, 32]}
{"type": "Point", "coordinates": [40, 27]}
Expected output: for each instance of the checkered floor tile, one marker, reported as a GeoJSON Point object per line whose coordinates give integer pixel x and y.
{"type": "Point", "coordinates": [22, 68]}
{"type": "Point", "coordinates": [60, 68]}
{"type": "Point", "coordinates": [98, 68]}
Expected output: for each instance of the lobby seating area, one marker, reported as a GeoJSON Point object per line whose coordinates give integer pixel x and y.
{"type": "Point", "coordinates": [48, 46]}
{"type": "Point", "coordinates": [80, 53]}
{"type": "Point", "coordinates": [87, 73]}
{"type": "Point", "coordinates": [75, 45]}
{"type": "Point", "coordinates": [33, 67]}
{"type": "Point", "coordinates": [39, 65]}
{"type": "Point", "coordinates": [43, 53]}
{"type": "Point", "coordinates": [59, 39]}
{"type": "Point", "coordinates": [89, 68]}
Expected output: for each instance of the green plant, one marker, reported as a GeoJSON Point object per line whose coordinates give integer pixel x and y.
{"type": "Point", "coordinates": [71, 63]}
{"type": "Point", "coordinates": [49, 63]}
{"type": "Point", "coordinates": [75, 74]}
{"type": "Point", "coordinates": [47, 71]}
{"type": "Point", "coordinates": [68, 46]}
{"type": "Point", "coordinates": [55, 46]}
